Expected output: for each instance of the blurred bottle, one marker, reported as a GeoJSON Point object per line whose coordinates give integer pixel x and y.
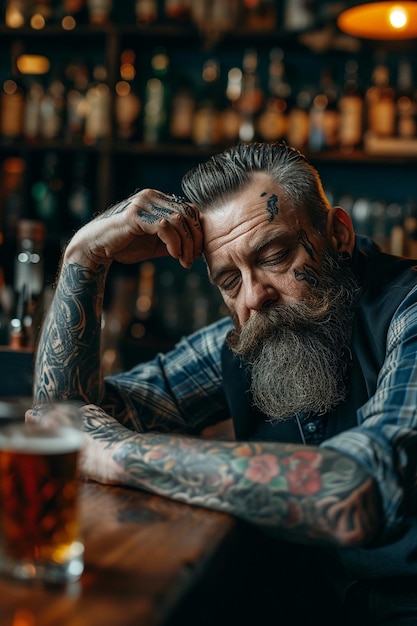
{"type": "Point", "coordinates": [116, 318]}
{"type": "Point", "coordinates": [143, 326]}
{"type": "Point", "coordinates": [52, 111]}
{"type": "Point", "coordinates": [157, 99]}
{"type": "Point", "coordinates": [32, 115]}
{"type": "Point", "coordinates": [351, 109]}
{"type": "Point", "coordinates": [77, 106]}
{"type": "Point", "coordinates": [380, 103]}
{"type": "Point", "coordinates": [395, 227]}
{"type": "Point", "coordinates": [252, 97]}
{"type": "Point", "coordinates": [229, 116]}
{"type": "Point", "coordinates": [79, 204]}
{"type": "Point", "coordinates": [206, 120]}
{"type": "Point", "coordinates": [72, 12]}
{"type": "Point", "coordinates": [298, 14]}
{"type": "Point", "coordinates": [324, 115]}
{"type": "Point", "coordinates": [41, 13]}
{"type": "Point", "coordinates": [298, 123]}
{"type": "Point", "coordinates": [28, 284]}
{"type": "Point", "coordinates": [127, 104]}
{"type": "Point", "coordinates": [182, 112]}
{"type": "Point", "coordinates": [12, 202]}
{"type": "Point", "coordinates": [47, 194]}
{"type": "Point", "coordinates": [12, 100]}
{"type": "Point", "coordinates": [98, 99]}
{"type": "Point", "coordinates": [214, 18]}
{"type": "Point", "coordinates": [146, 11]}
{"type": "Point", "coordinates": [177, 11]}
{"type": "Point", "coordinates": [99, 11]}
{"type": "Point", "coordinates": [272, 121]}
{"type": "Point", "coordinates": [259, 14]}
{"type": "Point", "coordinates": [406, 104]}
{"type": "Point", "coordinates": [16, 13]}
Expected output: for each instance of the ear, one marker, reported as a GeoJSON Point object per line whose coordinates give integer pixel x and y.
{"type": "Point", "coordinates": [340, 230]}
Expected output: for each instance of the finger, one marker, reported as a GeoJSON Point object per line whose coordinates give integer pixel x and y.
{"type": "Point", "coordinates": [191, 215]}
{"type": "Point", "coordinates": [175, 224]}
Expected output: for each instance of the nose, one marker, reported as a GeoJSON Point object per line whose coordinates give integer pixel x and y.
{"type": "Point", "coordinates": [256, 295]}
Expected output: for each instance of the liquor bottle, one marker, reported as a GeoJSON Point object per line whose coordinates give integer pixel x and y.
{"type": "Point", "coordinates": [144, 329]}
{"type": "Point", "coordinates": [182, 112]}
{"type": "Point", "coordinates": [156, 100]}
{"type": "Point", "coordinates": [351, 109]}
{"type": "Point", "coordinates": [32, 114]}
{"type": "Point", "coordinates": [229, 116]}
{"type": "Point", "coordinates": [298, 123]}
{"type": "Point", "coordinates": [206, 120]}
{"type": "Point", "coordinates": [16, 13]}
{"type": "Point", "coordinates": [41, 13]}
{"type": "Point", "coordinates": [406, 104]}
{"type": "Point", "coordinates": [98, 98]}
{"type": "Point", "coordinates": [324, 115]}
{"type": "Point", "coordinates": [52, 111]}
{"type": "Point", "coordinates": [12, 101]}
{"type": "Point", "coordinates": [252, 96]}
{"type": "Point", "coordinates": [214, 18]}
{"type": "Point", "coordinates": [72, 12]}
{"type": "Point", "coordinates": [117, 313]}
{"type": "Point", "coordinates": [380, 103]}
{"type": "Point", "coordinates": [76, 101]}
{"type": "Point", "coordinates": [177, 10]}
{"type": "Point", "coordinates": [28, 283]}
{"type": "Point", "coordinates": [79, 202]}
{"type": "Point", "coordinates": [99, 11]}
{"type": "Point", "coordinates": [46, 194]}
{"type": "Point", "coordinates": [146, 11]}
{"type": "Point", "coordinates": [298, 15]}
{"type": "Point", "coordinates": [259, 14]}
{"type": "Point", "coordinates": [12, 199]}
{"type": "Point", "coordinates": [127, 103]}
{"type": "Point", "coordinates": [272, 121]}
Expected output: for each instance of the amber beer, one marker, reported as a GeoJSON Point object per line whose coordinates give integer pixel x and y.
{"type": "Point", "coordinates": [38, 502]}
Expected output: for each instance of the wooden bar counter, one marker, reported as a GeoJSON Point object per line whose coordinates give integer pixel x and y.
{"type": "Point", "coordinates": [145, 558]}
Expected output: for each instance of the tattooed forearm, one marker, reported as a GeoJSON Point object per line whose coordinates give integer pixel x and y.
{"type": "Point", "coordinates": [68, 354]}
{"type": "Point", "coordinates": [301, 493]}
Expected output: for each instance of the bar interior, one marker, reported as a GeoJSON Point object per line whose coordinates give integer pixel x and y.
{"type": "Point", "coordinates": [99, 98]}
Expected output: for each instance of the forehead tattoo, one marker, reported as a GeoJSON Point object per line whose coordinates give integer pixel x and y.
{"type": "Point", "coordinates": [271, 205]}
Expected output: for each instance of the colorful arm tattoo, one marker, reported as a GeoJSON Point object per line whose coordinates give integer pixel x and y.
{"type": "Point", "coordinates": [300, 493]}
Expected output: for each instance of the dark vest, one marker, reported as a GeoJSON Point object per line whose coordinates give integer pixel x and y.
{"type": "Point", "coordinates": [385, 282]}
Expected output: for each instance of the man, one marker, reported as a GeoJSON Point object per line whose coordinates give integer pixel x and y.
{"type": "Point", "coordinates": [316, 368]}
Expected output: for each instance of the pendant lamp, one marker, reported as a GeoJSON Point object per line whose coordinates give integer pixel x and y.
{"type": "Point", "coordinates": [386, 20]}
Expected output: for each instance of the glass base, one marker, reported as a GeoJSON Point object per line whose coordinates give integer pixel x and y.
{"type": "Point", "coordinates": [45, 571]}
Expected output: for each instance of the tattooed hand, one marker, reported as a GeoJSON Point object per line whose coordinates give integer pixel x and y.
{"type": "Point", "coordinates": [147, 225]}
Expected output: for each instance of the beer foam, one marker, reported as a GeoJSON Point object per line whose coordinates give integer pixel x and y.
{"type": "Point", "coordinates": [32, 439]}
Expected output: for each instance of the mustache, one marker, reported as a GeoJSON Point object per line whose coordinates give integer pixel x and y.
{"type": "Point", "coordinates": [275, 320]}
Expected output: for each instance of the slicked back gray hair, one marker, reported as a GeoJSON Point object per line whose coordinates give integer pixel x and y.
{"type": "Point", "coordinates": [223, 175]}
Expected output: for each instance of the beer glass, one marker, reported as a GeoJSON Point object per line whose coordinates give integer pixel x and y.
{"type": "Point", "coordinates": [39, 528]}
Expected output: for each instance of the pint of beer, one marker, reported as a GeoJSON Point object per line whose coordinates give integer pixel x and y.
{"type": "Point", "coordinates": [39, 533]}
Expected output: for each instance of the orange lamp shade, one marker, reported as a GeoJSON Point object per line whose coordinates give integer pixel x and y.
{"type": "Point", "coordinates": [380, 20]}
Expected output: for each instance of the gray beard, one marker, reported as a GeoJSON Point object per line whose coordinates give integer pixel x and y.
{"type": "Point", "coordinates": [298, 352]}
